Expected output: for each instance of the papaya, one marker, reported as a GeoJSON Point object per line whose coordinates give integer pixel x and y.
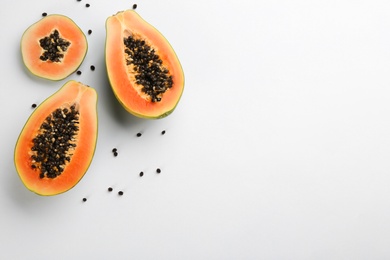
{"type": "Point", "coordinates": [144, 71]}
{"type": "Point", "coordinates": [57, 143]}
{"type": "Point", "coordinates": [54, 47]}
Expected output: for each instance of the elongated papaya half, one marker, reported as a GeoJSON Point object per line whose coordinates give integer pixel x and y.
{"type": "Point", "coordinates": [57, 143]}
{"type": "Point", "coordinates": [53, 47]}
{"type": "Point", "coordinates": [143, 69]}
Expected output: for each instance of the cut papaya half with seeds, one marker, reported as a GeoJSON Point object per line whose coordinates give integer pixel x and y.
{"type": "Point", "coordinates": [54, 47]}
{"type": "Point", "coordinates": [57, 143]}
{"type": "Point", "coordinates": [143, 69]}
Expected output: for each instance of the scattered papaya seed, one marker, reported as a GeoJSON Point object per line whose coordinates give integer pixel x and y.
{"type": "Point", "coordinates": [115, 154]}
{"type": "Point", "coordinates": [134, 6]}
{"type": "Point", "coordinates": [34, 105]}
{"type": "Point", "coordinates": [114, 150]}
{"type": "Point", "coordinates": [120, 193]}
{"type": "Point", "coordinates": [87, 5]}
{"type": "Point", "coordinates": [78, 72]}
{"type": "Point", "coordinates": [44, 14]}
{"type": "Point", "coordinates": [163, 132]}
{"type": "Point", "coordinates": [92, 67]}
{"type": "Point", "coordinates": [89, 31]}
{"type": "Point", "coordinates": [78, 0]}
{"type": "Point", "coordinates": [109, 189]}
{"type": "Point", "coordinates": [84, 199]}
{"type": "Point", "coordinates": [141, 174]}
{"type": "Point", "coordinates": [139, 135]}
{"type": "Point", "coordinates": [158, 170]}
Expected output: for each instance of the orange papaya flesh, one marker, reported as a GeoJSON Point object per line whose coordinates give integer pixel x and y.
{"type": "Point", "coordinates": [54, 47]}
{"type": "Point", "coordinates": [57, 143]}
{"type": "Point", "coordinates": [143, 69]}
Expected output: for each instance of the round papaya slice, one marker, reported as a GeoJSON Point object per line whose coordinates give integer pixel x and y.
{"type": "Point", "coordinates": [54, 47]}
{"type": "Point", "coordinates": [57, 143]}
{"type": "Point", "coordinates": [143, 69]}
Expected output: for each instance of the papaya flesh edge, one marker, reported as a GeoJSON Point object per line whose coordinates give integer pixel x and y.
{"type": "Point", "coordinates": [84, 99]}
{"type": "Point", "coordinates": [122, 81]}
{"type": "Point", "coordinates": [73, 56]}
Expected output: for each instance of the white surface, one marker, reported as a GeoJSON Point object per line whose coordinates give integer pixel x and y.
{"type": "Point", "coordinates": [279, 148]}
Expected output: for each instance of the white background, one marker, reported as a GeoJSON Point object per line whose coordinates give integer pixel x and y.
{"type": "Point", "coordinates": [278, 149]}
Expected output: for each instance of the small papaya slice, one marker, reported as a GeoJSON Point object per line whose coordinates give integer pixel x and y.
{"type": "Point", "coordinates": [54, 47]}
{"type": "Point", "coordinates": [143, 69]}
{"type": "Point", "coordinates": [57, 143]}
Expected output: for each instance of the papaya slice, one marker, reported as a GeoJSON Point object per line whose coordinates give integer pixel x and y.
{"type": "Point", "coordinates": [57, 143]}
{"type": "Point", "coordinates": [54, 47]}
{"type": "Point", "coordinates": [143, 69]}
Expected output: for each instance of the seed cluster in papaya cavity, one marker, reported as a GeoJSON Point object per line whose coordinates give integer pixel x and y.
{"type": "Point", "coordinates": [52, 147]}
{"type": "Point", "coordinates": [149, 71]}
{"type": "Point", "coordinates": [53, 46]}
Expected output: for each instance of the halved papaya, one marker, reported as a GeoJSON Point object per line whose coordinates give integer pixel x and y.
{"type": "Point", "coordinates": [143, 69]}
{"type": "Point", "coordinates": [57, 143]}
{"type": "Point", "coordinates": [54, 47]}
